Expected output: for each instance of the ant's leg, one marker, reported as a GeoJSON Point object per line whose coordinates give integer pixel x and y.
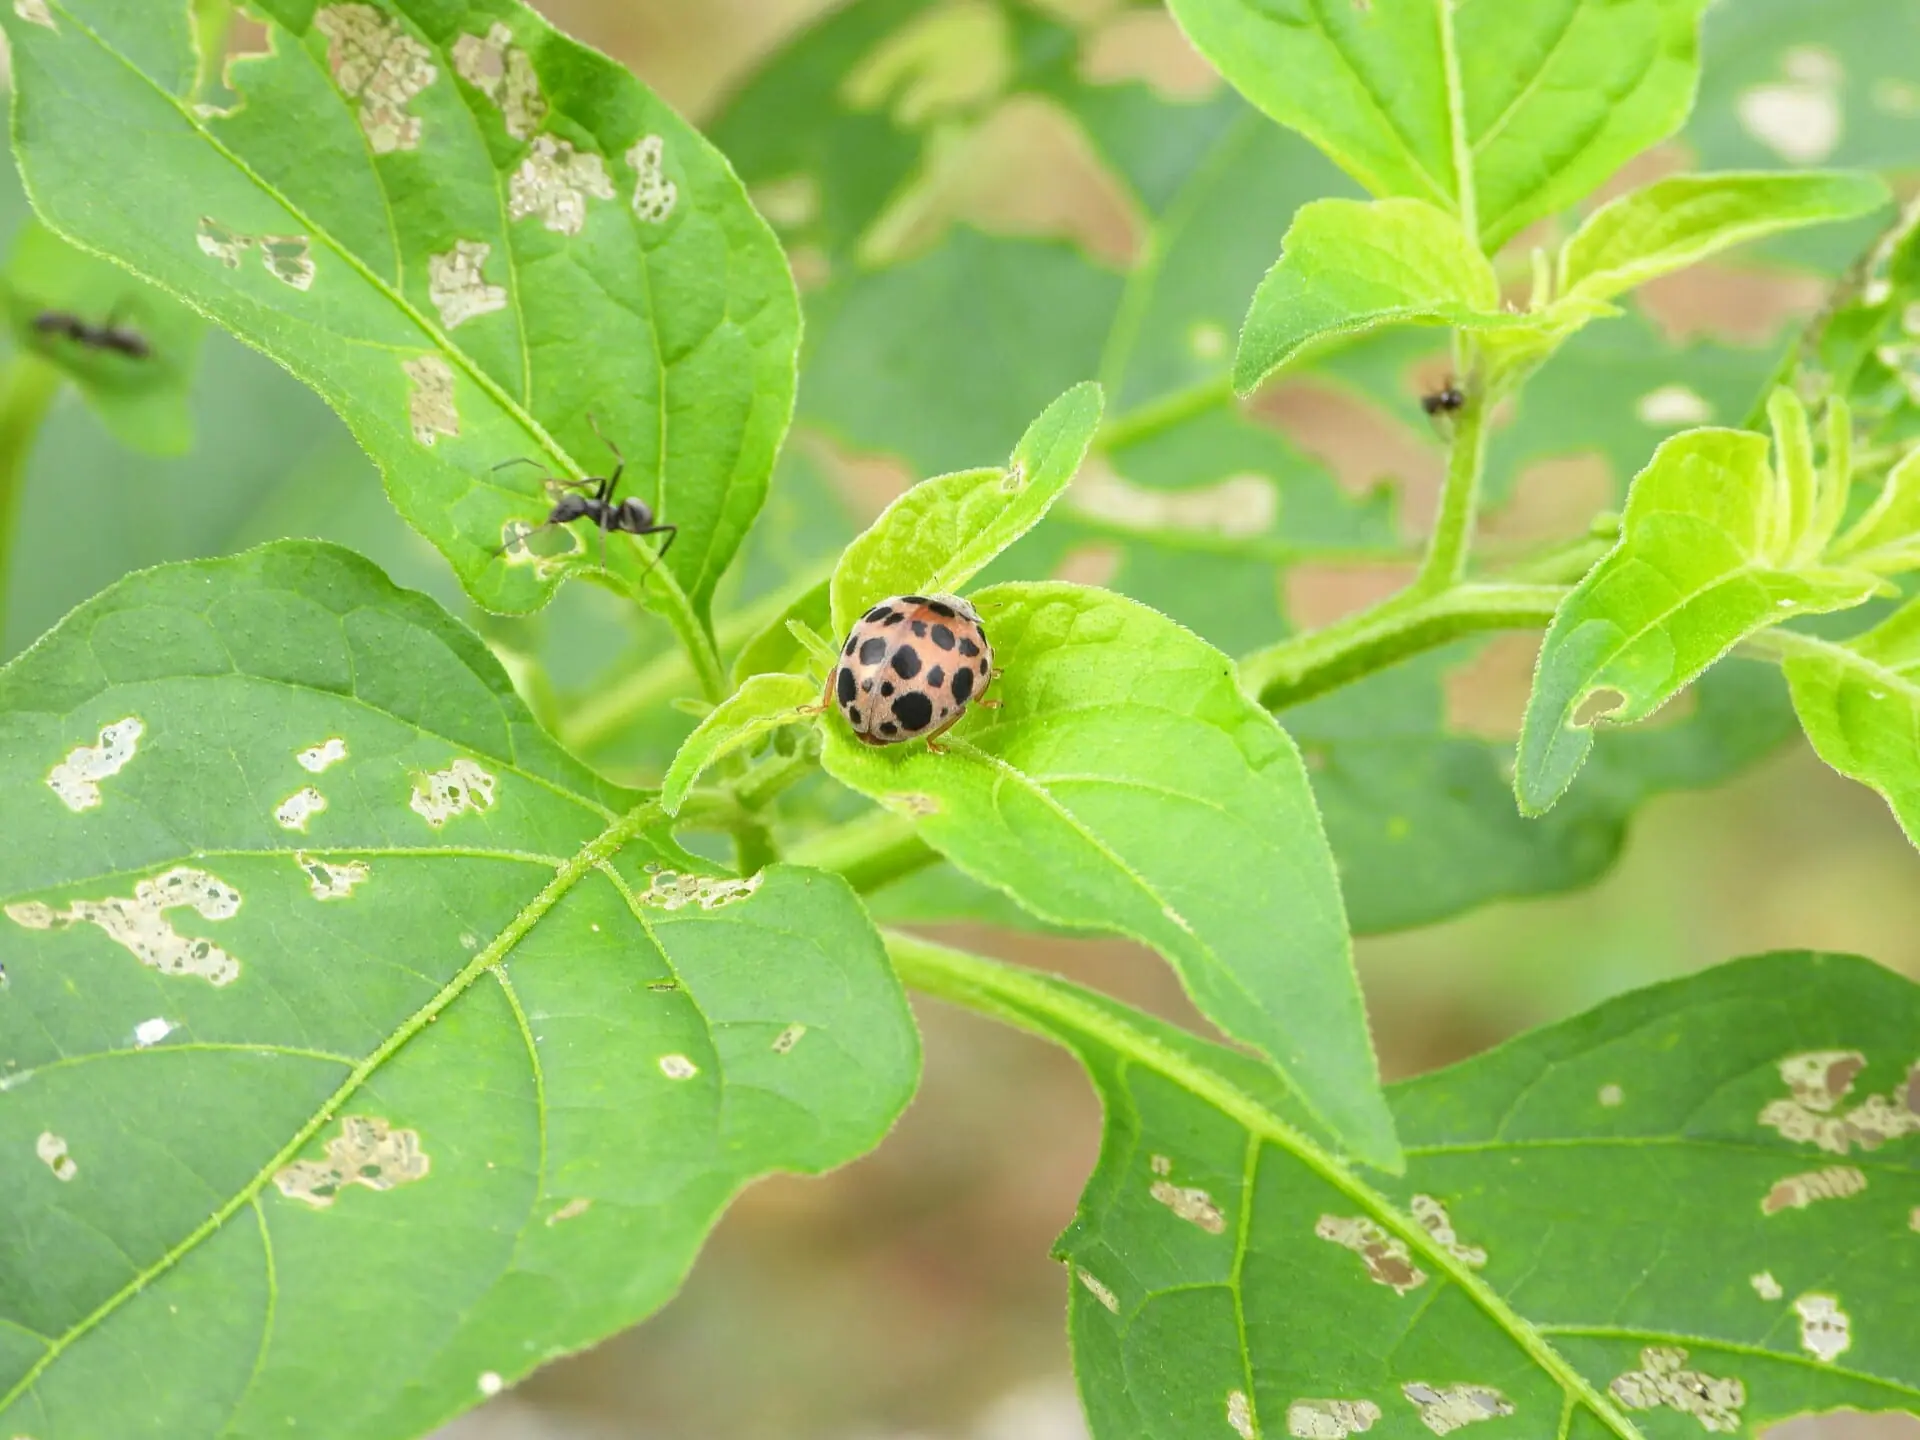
{"type": "Point", "coordinates": [517, 460]}
{"type": "Point", "coordinates": [670, 531]}
{"type": "Point", "coordinates": [619, 459]}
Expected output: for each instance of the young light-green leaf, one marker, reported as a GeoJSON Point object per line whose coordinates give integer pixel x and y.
{"type": "Point", "coordinates": [350, 1028]}
{"type": "Point", "coordinates": [1886, 538]}
{"type": "Point", "coordinates": [1687, 1211]}
{"type": "Point", "coordinates": [141, 386]}
{"type": "Point", "coordinates": [1860, 706]}
{"type": "Point", "coordinates": [467, 232]}
{"type": "Point", "coordinates": [1129, 786]}
{"type": "Point", "coordinates": [1678, 222]}
{"type": "Point", "coordinates": [1354, 265]}
{"type": "Point", "coordinates": [944, 531]}
{"type": "Point", "coordinates": [1498, 112]}
{"type": "Point", "coordinates": [763, 704]}
{"type": "Point", "coordinates": [1703, 561]}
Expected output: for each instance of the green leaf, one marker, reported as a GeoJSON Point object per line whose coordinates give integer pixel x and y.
{"type": "Point", "coordinates": [1706, 557]}
{"type": "Point", "coordinates": [1860, 706]}
{"type": "Point", "coordinates": [1497, 113]}
{"type": "Point", "coordinates": [1352, 265]}
{"type": "Point", "coordinates": [1887, 537]}
{"type": "Point", "coordinates": [944, 531]}
{"type": "Point", "coordinates": [143, 397]}
{"type": "Point", "coordinates": [1535, 1260]}
{"type": "Point", "coordinates": [510, 235]}
{"type": "Point", "coordinates": [763, 704]}
{"type": "Point", "coordinates": [1678, 222]}
{"type": "Point", "coordinates": [1127, 786]}
{"type": "Point", "coordinates": [447, 1076]}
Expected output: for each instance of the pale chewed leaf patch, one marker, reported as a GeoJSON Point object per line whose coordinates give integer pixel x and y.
{"type": "Point", "coordinates": [457, 286]}
{"type": "Point", "coordinates": [151, 1032]}
{"type": "Point", "coordinates": [220, 243]}
{"type": "Point", "coordinates": [1385, 1256]}
{"type": "Point", "coordinates": [1819, 1082]}
{"type": "Point", "coordinates": [76, 779]}
{"type": "Point", "coordinates": [296, 812]}
{"type": "Point", "coordinates": [788, 1038]}
{"type": "Point", "coordinates": [331, 882]}
{"type": "Point", "coordinates": [1191, 1203]}
{"type": "Point", "coordinates": [36, 12]}
{"type": "Point", "coordinates": [375, 60]}
{"type": "Point", "coordinates": [1444, 1409]}
{"type": "Point", "coordinates": [554, 183]}
{"type": "Point", "coordinates": [1240, 1414]}
{"type": "Point", "coordinates": [1612, 1096]}
{"type": "Point", "coordinates": [1236, 508]}
{"type": "Point", "coordinates": [1664, 1380]}
{"type": "Point", "coordinates": [368, 1151]}
{"type": "Point", "coordinates": [1330, 1419]}
{"type": "Point", "coordinates": [1096, 1288]}
{"type": "Point", "coordinates": [571, 1210]}
{"type": "Point", "coordinates": [440, 795]}
{"type": "Point", "coordinates": [140, 924]}
{"type": "Point", "coordinates": [1433, 1218]}
{"type": "Point", "coordinates": [678, 1067]}
{"type": "Point", "coordinates": [670, 890]}
{"type": "Point", "coordinates": [1796, 1192]}
{"type": "Point", "coordinates": [1765, 1286]}
{"type": "Point", "coordinates": [52, 1150]}
{"type": "Point", "coordinates": [316, 758]}
{"type": "Point", "coordinates": [1799, 118]}
{"type": "Point", "coordinates": [1826, 1331]}
{"type": "Point", "coordinates": [504, 73]}
{"type": "Point", "coordinates": [653, 193]}
{"type": "Point", "coordinates": [430, 408]}
{"type": "Point", "coordinates": [288, 258]}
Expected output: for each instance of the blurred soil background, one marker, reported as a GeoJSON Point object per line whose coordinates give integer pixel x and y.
{"type": "Point", "coordinates": [910, 1296]}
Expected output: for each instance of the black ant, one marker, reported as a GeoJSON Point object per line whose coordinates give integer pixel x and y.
{"type": "Point", "coordinates": [120, 339]}
{"type": "Point", "coordinates": [1449, 399]}
{"type": "Point", "coordinates": [629, 516]}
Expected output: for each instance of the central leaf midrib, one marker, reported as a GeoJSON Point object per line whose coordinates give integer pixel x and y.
{"type": "Point", "coordinates": [588, 858]}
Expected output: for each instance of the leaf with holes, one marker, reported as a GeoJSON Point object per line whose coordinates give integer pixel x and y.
{"type": "Point", "coordinates": [1678, 222]}
{"type": "Point", "coordinates": [132, 351]}
{"type": "Point", "coordinates": [1714, 546]}
{"type": "Point", "coordinates": [350, 1028]}
{"type": "Point", "coordinates": [1499, 113]}
{"type": "Point", "coordinates": [473, 236]}
{"type": "Point", "coordinates": [1860, 705]}
{"type": "Point", "coordinates": [763, 704]}
{"type": "Point", "coordinates": [1532, 1268]}
{"type": "Point", "coordinates": [1350, 266]}
{"type": "Point", "coordinates": [1128, 786]}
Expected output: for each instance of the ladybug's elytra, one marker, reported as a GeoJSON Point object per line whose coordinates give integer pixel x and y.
{"type": "Point", "coordinates": [910, 667]}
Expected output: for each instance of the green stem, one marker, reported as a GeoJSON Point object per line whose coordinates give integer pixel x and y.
{"type": "Point", "coordinates": [695, 637]}
{"type": "Point", "coordinates": [1054, 1012]}
{"type": "Point", "coordinates": [1165, 413]}
{"type": "Point", "coordinates": [1407, 624]}
{"type": "Point", "coordinates": [1446, 562]}
{"type": "Point", "coordinates": [27, 389]}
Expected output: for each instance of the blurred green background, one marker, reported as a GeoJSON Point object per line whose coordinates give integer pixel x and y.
{"type": "Point", "coordinates": [911, 1294]}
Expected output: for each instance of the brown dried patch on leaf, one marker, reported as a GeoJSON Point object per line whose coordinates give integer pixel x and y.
{"type": "Point", "coordinates": [1487, 696]}
{"type": "Point", "coordinates": [1330, 1419]}
{"type": "Point", "coordinates": [1433, 1218]}
{"type": "Point", "coordinates": [1191, 1203]}
{"type": "Point", "coordinates": [140, 925]}
{"type": "Point", "coordinates": [1671, 157]}
{"type": "Point", "coordinates": [1384, 1255]}
{"type": "Point", "coordinates": [458, 287]}
{"type": "Point", "coordinates": [1237, 508]}
{"type": "Point", "coordinates": [1664, 1380]}
{"type": "Point", "coordinates": [867, 483]}
{"type": "Point", "coordinates": [1734, 305]}
{"type": "Point", "coordinates": [1444, 1409]}
{"type": "Point", "coordinates": [1318, 595]}
{"type": "Point", "coordinates": [554, 183]}
{"type": "Point", "coordinates": [503, 72]}
{"type": "Point", "coordinates": [367, 1151]}
{"type": "Point", "coordinates": [949, 60]}
{"type": "Point", "coordinates": [375, 60]}
{"type": "Point", "coordinates": [1826, 1331]}
{"type": "Point", "coordinates": [1147, 46]}
{"type": "Point", "coordinates": [1796, 1192]}
{"type": "Point", "coordinates": [1818, 1082]}
{"type": "Point", "coordinates": [430, 407]}
{"type": "Point", "coordinates": [1363, 447]}
{"type": "Point", "coordinates": [1028, 169]}
{"type": "Point", "coordinates": [1553, 500]}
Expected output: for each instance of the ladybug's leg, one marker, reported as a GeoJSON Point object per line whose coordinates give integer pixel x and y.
{"type": "Point", "coordinates": [934, 747]}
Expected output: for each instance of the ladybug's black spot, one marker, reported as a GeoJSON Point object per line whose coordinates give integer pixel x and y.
{"type": "Point", "coordinates": [853, 713]}
{"type": "Point", "coordinates": [887, 727]}
{"type": "Point", "coordinates": [913, 710]}
{"type": "Point", "coordinates": [894, 617]}
{"type": "Point", "coordinates": [852, 640]}
{"type": "Point", "coordinates": [866, 687]}
{"type": "Point", "coordinates": [846, 686]}
{"type": "Point", "coordinates": [914, 600]}
{"type": "Point", "coordinates": [906, 660]}
{"type": "Point", "coordinates": [936, 677]}
{"type": "Point", "coordinates": [920, 627]}
{"type": "Point", "coordinates": [878, 615]}
{"type": "Point", "coordinates": [962, 685]}
{"type": "Point", "coordinates": [943, 637]}
{"type": "Point", "coordinates": [873, 651]}
{"type": "Point", "coordinates": [967, 647]}
{"type": "Point", "coordinates": [940, 609]}
{"type": "Point", "coordinates": [886, 687]}
{"type": "Point", "coordinates": [983, 667]}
